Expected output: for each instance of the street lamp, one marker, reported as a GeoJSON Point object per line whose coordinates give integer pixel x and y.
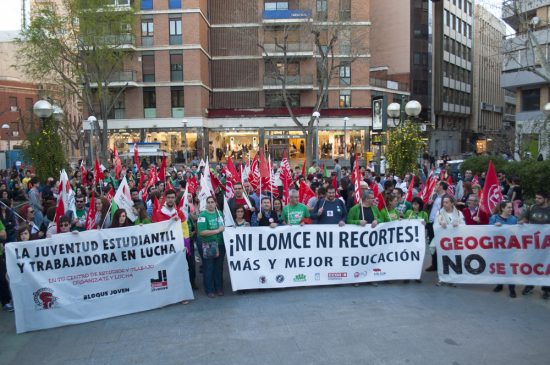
{"type": "Point", "coordinates": [394, 111]}
{"type": "Point", "coordinates": [316, 115]}
{"type": "Point", "coordinates": [43, 110]}
{"type": "Point", "coordinates": [57, 113]}
{"type": "Point", "coordinates": [413, 109]}
{"type": "Point", "coordinates": [92, 120]}
{"type": "Point", "coordinates": [7, 126]}
{"type": "Point", "coordinates": [345, 138]}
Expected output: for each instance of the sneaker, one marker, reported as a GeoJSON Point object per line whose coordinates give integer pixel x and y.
{"type": "Point", "coordinates": [497, 288]}
{"type": "Point", "coordinates": [8, 307]}
{"type": "Point", "coordinates": [512, 293]}
{"type": "Point", "coordinates": [527, 290]}
{"type": "Point", "coordinates": [546, 295]}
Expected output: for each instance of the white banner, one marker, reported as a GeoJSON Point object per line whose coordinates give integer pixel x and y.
{"type": "Point", "coordinates": [510, 254]}
{"type": "Point", "coordinates": [311, 255]}
{"type": "Point", "coordinates": [81, 277]}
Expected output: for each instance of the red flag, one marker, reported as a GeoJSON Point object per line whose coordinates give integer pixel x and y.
{"type": "Point", "coordinates": [90, 217]}
{"type": "Point", "coordinates": [304, 168]}
{"type": "Point", "coordinates": [305, 193]}
{"type": "Point", "coordinates": [428, 188]}
{"type": "Point", "coordinates": [451, 188]}
{"type": "Point", "coordinates": [254, 174]}
{"type": "Point", "coordinates": [156, 216]}
{"type": "Point", "coordinates": [181, 213]}
{"type": "Point", "coordinates": [409, 196]}
{"type": "Point", "coordinates": [117, 163]}
{"type": "Point", "coordinates": [216, 183]}
{"type": "Point", "coordinates": [169, 185]}
{"type": "Point", "coordinates": [231, 172]}
{"type": "Point", "coordinates": [475, 180]}
{"type": "Point", "coordinates": [98, 174]}
{"type": "Point", "coordinates": [110, 194]}
{"type": "Point", "coordinates": [193, 185]}
{"type": "Point", "coordinates": [442, 174]}
{"type": "Point", "coordinates": [356, 178]}
{"type": "Point", "coordinates": [285, 174]}
{"type": "Point", "coordinates": [83, 173]}
{"type": "Point", "coordinates": [492, 194]}
{"type": "Point", "coordinates": [162, 171]}
{"type": "Point", "coordinates": [335, 185]}
{"type": "Point", "coordinates": [151, 182]}
{"type": "Point", "coordinates": [136, 155]}
{"type": "Point", "coordinates": [141, 179]}
{"type": "Point", "coordinates": [59, 212]}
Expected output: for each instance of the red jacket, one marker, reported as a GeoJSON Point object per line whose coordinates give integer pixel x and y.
{"type": "Point", "coordinates": [483, 217]}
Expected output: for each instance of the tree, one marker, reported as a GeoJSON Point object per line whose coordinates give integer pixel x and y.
{"type": "Point", "coordinates": [405, 144]}
{"type": "Point", "coordinates": [45, 151]}
{"type": "Point", "coordinates": [79, 47]}
{"type": "Point", "coordinates": [335, 43]}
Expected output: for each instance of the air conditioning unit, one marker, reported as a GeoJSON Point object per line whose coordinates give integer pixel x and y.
{"type": "Point", "coordinates": [13, 108]}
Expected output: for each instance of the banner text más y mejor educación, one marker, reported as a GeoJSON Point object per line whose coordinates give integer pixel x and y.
{"type": "Point", "coordinates": [510, 254]}
{"type": "Point", "coordinates": [309, 255]}
{"type": "Point", "coordinates": [75, 278]}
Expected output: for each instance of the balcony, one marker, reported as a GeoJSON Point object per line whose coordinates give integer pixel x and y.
{"type": "Point", "coordinates": [389, 84]}
{"type": "Point", "coordinates": [299, 82]}
{"type": "Point", "coordinates": [292, 49]}
{"type": "Point", "coordinates": [286, 16]}
{"type": "Point", "coordinates": [120, 79]}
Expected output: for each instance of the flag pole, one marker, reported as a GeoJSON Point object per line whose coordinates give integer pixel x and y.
{"type": "Point", "coordinates": [108, 212]}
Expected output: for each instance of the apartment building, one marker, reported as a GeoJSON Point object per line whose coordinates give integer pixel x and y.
{"type": "Point", "coordinates": [205, 77]}
{"type": "Point", "coordinates": [526, 61]}
{"type": "Point", "coordinates": [452, 75]}
{"type": "Point", "coordinates": [488, 107]}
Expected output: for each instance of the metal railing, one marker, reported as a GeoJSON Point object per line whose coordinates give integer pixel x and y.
{"type": "Point", "coordinates": [290, 80]}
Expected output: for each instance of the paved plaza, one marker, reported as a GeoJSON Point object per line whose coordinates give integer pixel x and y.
{"type": "Point", "coordinates": [393, 323]}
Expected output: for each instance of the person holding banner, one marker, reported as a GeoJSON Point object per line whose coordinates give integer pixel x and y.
{"type": "Point", "coordinates": [294, 213]}
{"type": "Point", "coordinates": [210, 225]}
{"type": "Point", "coordinates": [120, 219]}
{"type": "Point", "coordinates": [417, 211]}
{"type": "Point", "coordinates": [390, 213]}
{"type": "Point", "coordinates": [241, 199]}
{"type": "Point", "coordinates": [102, 215]}
{"type": "Point", "coordinates": [539, 213]}
{"type": "Point", "coordinates": [503, 215]}
{"type": "Point", "coordinates": [239, 217]}
{"type": "Point", "coordinates": [5, 294]}
{"type": "Point", "coordinates": [440, 191]}
{"type": "Point", "coordinates": [365, 212]}
{"type": "Point", "coordinates": [141, 212]}
{"type": "Point", "coordinates": [330, 210]}
{"type": "Point", "coordinates": [266, 216]}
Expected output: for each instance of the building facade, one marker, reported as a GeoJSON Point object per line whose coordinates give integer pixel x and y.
{"type": "Point", "coordinates": [488, 106]}
{"type": "Point", "coordinates": [206, 77]}
{"type": "Point", "coordinates": [526, 72]}
{"type": "Point", "coordinates": [452, 75]}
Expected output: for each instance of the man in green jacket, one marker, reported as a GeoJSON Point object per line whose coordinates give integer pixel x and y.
{"type": "Point", "coordinates": [369, 215]}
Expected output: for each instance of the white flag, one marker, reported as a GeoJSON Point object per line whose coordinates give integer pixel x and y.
{"type": "Point", "coordinates": [228, 217]}
{"type": "Point", "coordinates": [67, 193]}
{"type": "Point", "coordinates": [123, 199]}
{"type": "Point", "coordinates": [206, 187]}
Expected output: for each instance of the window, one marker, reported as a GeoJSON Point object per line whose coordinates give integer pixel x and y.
{"type": "Point", "coordinates": [276, 5]}
{"type": "Point", "coordinates": [530, 100]}
{"type": "Point", "coordinates": [146, 4]}
{"type": "Point", "coordinates": [275, 100]}
{"type": "Point", "coordinates": [322, 9]}
{"type": "Point", "coordinates": [13, 103]}
{"type": "Point", "coordinates": [345, 73]}
{"type": "Point", "coordinates": [447, 18]}
{"type": "Point", "coordinates": [147, 29]}
{"type": "Point", "coordinates": [175, 31]}
{"type": "Point", "coordinates": [176, 67]}
{"type": "Point", "coordinates": [345, 99]}
{"type": "Point", "coordinates": [345, 10]}
{"type": "Point", "coordinates": [177, 102]}
{"type": "Point", "coordinates": [149, 102]}
{"type": "Point", "coordinates": [174, 4]}
{"type": "Point", "coordinates": [148, 67]}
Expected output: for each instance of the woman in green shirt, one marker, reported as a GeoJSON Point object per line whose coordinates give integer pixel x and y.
{"type": "Point", "coordinates": [210, 228]}
{"type": "Point", "coordinates": [140, 211]}
{"type": "Point", "coordinates": [389, 213]}
{"type": "Point", "coordinates": [417, 211]}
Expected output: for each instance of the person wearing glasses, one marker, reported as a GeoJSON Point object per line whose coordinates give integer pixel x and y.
{"type": "Point", "coordinates": [79, 223]}
{"type": "Point", "coordinates": [64, 225]}
{"type": "Point", "coordinates": [365, 212]}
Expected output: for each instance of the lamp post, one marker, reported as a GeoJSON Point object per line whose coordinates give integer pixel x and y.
{"type": "Point", "coordinates": [345, 138]}
{"type": "Point", "coordinates": [316, 115]}
{"type": "Point", "coordinates": [57, 113]}
{"type": "Point", "coordinates": [43, 110]}
{"type": "Point", "coordinates": [185, 141]}
{"type": "Point", "coordinates": [92, 120]}
{"type": "Point", "coordinates": [7, 126]}
{"type": "Point", "coordinates": [413, 109]}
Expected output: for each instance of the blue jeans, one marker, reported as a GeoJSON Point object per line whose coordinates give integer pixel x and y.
{"type": "Point", "coordinates": [213, 272]}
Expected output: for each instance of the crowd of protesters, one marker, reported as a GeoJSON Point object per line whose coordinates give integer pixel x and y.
{"type": "Point", "coordinates": [309, 196]}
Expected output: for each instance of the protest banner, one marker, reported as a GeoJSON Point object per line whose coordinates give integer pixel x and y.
{"type": "Point", "coordinates": [509, 254]}
{"type": "Point", "coordinates": [80, 277]}
{"type": "Point", "coordinates": [311, 255]}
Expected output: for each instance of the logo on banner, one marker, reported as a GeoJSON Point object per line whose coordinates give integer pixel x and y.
{"type": "Point", "coordinates": [44, 298]}
{"type": "Point", "coordinates": [279, 278]}
{"type": "Point", "coordinates": [317, 276]}
{"type": "Point", "coordinates": [337, 275]}
{"type": "Point", "coordinates": [161, 282]}
{"type": "Point", "coordinates": [300, 277]}
{"type": "Point", "coordinates": [378, 272]}
{"type": "Point", "coordinates": [362, 274]}
{"type": "Point", "coordinates": [263, 279]}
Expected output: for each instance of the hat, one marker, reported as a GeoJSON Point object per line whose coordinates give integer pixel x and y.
{"type": "Point", "coordinates": [363, 185]}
